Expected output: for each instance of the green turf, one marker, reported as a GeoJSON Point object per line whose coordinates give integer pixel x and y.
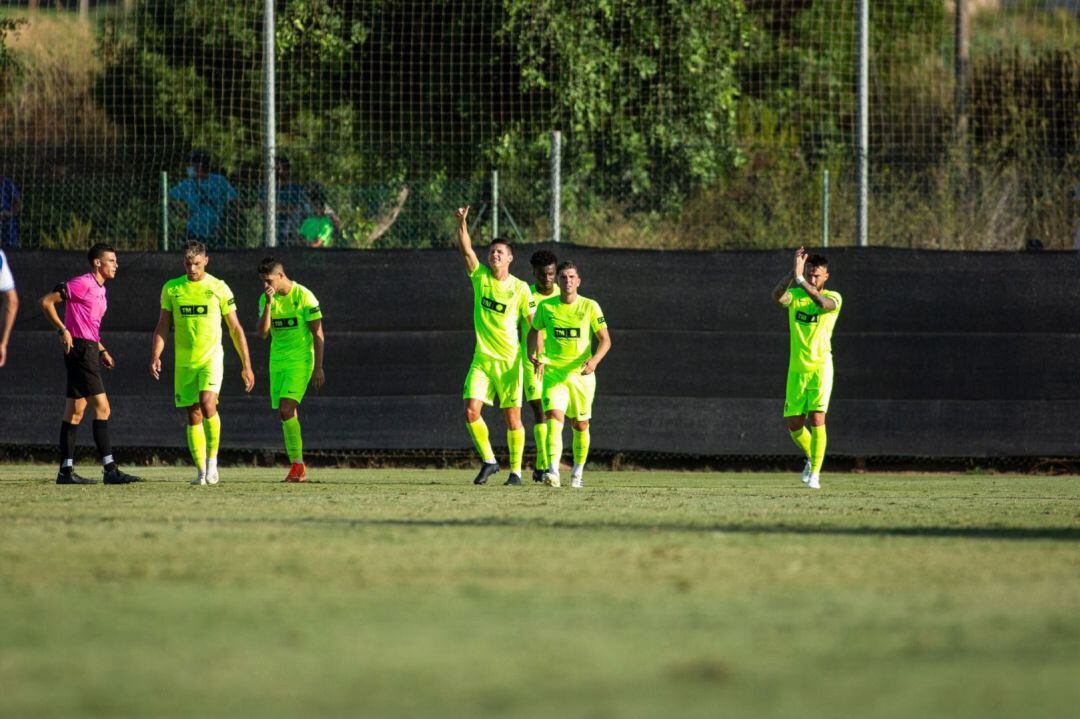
{"type": "Point", "coordinates": [405, 593]}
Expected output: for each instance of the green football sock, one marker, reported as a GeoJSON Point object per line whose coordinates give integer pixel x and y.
{"type": "Point", "coordinates": [196, 442]}
{"type": "Point", "coordinates": [554, 443]}
{"type": "Point", "coordinates": [817, 448]}
{"type": "Point", "coordinates": [294, 441]}
{"type": "Point", "coordinates": [515, 440]}
{"type": "Point", "coordinates": [479, 432]}
{"type": "Point", "coordinates": [582, 440]}
{"type": "Point", "coordinates": [801, 437]}
{"type": "Point", "coordinates": [540, 437]}
{"type": "Point", "coordinates": [212, 429]}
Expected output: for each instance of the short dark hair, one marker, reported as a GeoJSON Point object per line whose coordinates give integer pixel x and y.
{"type": "Point", "coordinates": [194, 247]}
{"type": "Point", "coordinates": [97, 251]}
{"type": "Point", "coordinates": [269, 265]}
{"type": "Point", "coordinates": [543, 258]}
{"type": "Point", "coordinates": [501, 241]}
{"type": "Point", "coordinates": [201, 158]}
{"type": "Point", "coordinates": [817, 261]}
{"type": "Point", "coordinates": [567, 265]}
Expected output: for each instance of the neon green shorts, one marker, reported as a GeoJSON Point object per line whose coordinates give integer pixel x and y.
{"type": "Point", "coordinates": [534, 383]}
{"type": "Point", "coordinates": [488, 379]}
{"type": "Point", "coordinates": [289, 383]}
{"type": "Point", "coordinates": [190, 382]}
{"type": "Point", "coordinates": [570, 394]}
{"type": "Point", "coordinates": [808, 391]}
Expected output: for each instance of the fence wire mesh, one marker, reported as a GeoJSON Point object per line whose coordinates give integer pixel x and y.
{"type": "Point", "coordinates": [685, 123]}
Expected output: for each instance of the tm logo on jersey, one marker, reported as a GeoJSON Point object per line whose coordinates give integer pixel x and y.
{"type": "Point", "coordinates": [285, 323]}
{"type": "Point", "coordinates": [805, 317]}
{"type": "Point", "coordinates": [194, 310]}
{"type": "Point", "coordinates": [566, 333]}
{"type": "Point", "coordinates": [490, 304]}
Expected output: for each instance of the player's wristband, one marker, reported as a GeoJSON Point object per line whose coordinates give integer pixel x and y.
{"type": "Point", "coordinates": [61, 331]}
{"type": "Point", "coordinates": [799, 279]}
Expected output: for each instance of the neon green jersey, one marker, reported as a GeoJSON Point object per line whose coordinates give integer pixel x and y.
{"type": "Point", "coordinates": [568, 331]}
{"type": "Point", "coordinates": [537, 298]}
{"type": "Point", "coordinates": [811, 330]}
{"type": "Point", "coordinates": [497, 309]}
{"type": "Point", "coordinates": [197, 310]}
{"type": "Point", "coordinates": [291, 341]}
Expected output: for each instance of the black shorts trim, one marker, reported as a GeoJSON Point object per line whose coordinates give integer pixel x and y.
{"type": "Point", "coordinates": [83, 370]}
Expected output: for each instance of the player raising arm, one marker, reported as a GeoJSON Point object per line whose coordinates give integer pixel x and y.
{"type": "Point", "coordinates": [291, 317]}
{"type": "Point", "coordinates": [500, 301]}
{"type": "Point", "coordinates": [195, 303]}
{"type": "Point", "coordinates": [812, 313]}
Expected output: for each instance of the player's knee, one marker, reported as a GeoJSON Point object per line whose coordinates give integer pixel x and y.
{"type": "Point", "coordinates": [102, 411]}
{"type": "Point", "coordinates": [75, 417]}
{"type": "Point", "coordinates": [581, 425]}
{"type": "Point", "coordinates": [286, 413]}
{"type": "Point", "coordinates": [472, 414]}
{"type": "Point", "coordinates": [794, 424]}
{"type": "Point", "coordinates": [207, 409]}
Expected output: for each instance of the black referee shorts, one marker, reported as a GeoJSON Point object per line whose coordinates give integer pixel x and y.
{"type": "Point", "coordinates": [83, 370]}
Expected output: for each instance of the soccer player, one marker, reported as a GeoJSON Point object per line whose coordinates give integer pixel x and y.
{"type": "Point", "coordinates": [568, 364]}
{"type": "Point", "coordinates": [294, 324]}
{"type": "Point", "coordinates": [500, 302]}
{"type": "Point", "coordinates": [80, 334]}
{"type": "Point", "coordinates": [195, 303]}
{"type": "Point", "coordinates": [543, 264]}
{"type": "Point", "coordinates": [11, 305]}
{"type": "Point", "coordinates": [812, 312]}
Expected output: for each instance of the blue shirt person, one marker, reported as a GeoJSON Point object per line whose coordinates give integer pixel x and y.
{"type": "Point", "coordinates": [206, 195]}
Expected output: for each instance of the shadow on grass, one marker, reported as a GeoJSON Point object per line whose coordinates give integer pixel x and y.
{"type": "Point", "coordinates": [1068, 534]}
{"type": "Point", "coordinates": [1064, 534]}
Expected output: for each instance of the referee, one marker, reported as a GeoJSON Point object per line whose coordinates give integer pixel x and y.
{"type": "Point", "coordinates": [80, 334]}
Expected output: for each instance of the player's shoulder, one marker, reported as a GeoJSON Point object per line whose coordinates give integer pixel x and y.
{"type": "Point", "coordinates": [175, 283]}
{"type": "Point", "coordinates": [218, 285]}
{"type": "Point", "coordinates": [834, 296]}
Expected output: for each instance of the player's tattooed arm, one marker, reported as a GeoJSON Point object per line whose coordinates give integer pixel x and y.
{"type": "Point", "coordinates": [158, 343]}
{"type": "Point", "coordinates": [782, 292]}
{"type": "Point", "coordinates": [464, 241]}
{"type": "Point", "coordinates": [826, 303]}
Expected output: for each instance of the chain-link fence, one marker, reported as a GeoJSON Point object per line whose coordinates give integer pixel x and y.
{"type": "Point", "coordinates": [684, 123]}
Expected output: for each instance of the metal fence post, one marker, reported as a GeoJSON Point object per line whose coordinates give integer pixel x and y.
{"type": "Point", "coordinates": [863, 139]}
{"type": "Point", "coordinates": [269, 149]}
{"type": "Point", "coordinates": [825, 208]}
{"type": "Point", "coordinates": [494, 204]}
{"type": "Point", "coordinates": [165, 210]}
{"type": "Point", "coordinates": [556, 186]}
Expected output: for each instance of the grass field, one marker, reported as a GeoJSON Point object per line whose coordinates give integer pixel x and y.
{"type": "Point", "coordinates": [405, 593]}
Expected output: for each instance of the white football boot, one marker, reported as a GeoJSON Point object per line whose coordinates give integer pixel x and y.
{"type": "Point", "coordinates": [815, 481]}
{"type": "Point", "coordinates": [806, 473]}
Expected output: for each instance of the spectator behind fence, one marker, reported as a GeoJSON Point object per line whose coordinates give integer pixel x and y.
{"type": "Point", "coordinates": [318, 228]}
{"type": "Point", "coordinates": [207, 197]}
{"type": "Point", "coordinates": [292, 204]}
{"type": "Point", "coordinates": [10, 207]}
